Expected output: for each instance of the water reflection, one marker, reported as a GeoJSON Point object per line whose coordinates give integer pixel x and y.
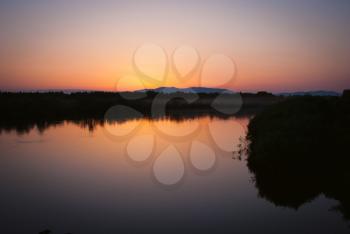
{"type": "Point", "coordinates": [73, 177]}
{"type": "Point", "coordinates": [171, 144]}
{"type": "Point", "coordinates": [123, 115]}
{"type": "Point", "coordinates": [177, 146]}
{"type": "Point", "coordinates": [174, 141]}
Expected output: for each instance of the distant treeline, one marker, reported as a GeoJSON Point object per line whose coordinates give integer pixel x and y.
{"type": "Point", "coordinates": [59, 106]}
{"type": "Point", "coordinates": [299, 149]}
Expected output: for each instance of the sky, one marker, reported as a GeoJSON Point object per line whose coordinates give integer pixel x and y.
{"type": "Point", "coordinates": [276, 45]}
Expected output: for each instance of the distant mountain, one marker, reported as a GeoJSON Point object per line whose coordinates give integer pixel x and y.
{"type": "Point", "coordinates": [186, 90]}
{"type": "Point", "coordinates": [311, 93]}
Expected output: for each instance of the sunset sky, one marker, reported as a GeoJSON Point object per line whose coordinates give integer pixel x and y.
{"type": "Point", "coordinates": [277, 45]}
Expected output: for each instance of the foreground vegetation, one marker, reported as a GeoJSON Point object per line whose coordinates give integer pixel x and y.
{"type": "Point", "coordinates": [299, 149]}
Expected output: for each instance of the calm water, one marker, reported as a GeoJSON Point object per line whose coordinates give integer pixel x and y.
{"type": "Point", "coordinates": [142, 176]}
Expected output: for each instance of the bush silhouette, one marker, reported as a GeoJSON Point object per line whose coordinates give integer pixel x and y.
{"type": "Point", "coordinates": [299, 149]}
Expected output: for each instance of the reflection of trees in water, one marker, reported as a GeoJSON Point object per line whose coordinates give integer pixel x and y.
{"type": "Point", "coordinates": [299, 149]}
{"type": "Point", "coordinates": [25, 126]}
{"type": "Point", "coordinates": [25, 111]}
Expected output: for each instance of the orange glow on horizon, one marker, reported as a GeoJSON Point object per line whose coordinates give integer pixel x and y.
{"type": "Point", "coordinates": [57, 46]}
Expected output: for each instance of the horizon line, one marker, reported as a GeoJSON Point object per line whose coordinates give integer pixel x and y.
{"type": "Point", "coordinates": [72, 90]}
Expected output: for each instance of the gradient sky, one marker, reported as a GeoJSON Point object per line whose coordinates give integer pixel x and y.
{"type": "Point", "coordinates": [278, 45]}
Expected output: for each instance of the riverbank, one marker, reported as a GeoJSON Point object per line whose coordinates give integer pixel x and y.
{"type": "Point", "coordinates": [22, 111]}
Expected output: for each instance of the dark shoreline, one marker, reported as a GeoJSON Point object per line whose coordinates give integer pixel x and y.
{"type": "Point", "coordinates": [24, 111]}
